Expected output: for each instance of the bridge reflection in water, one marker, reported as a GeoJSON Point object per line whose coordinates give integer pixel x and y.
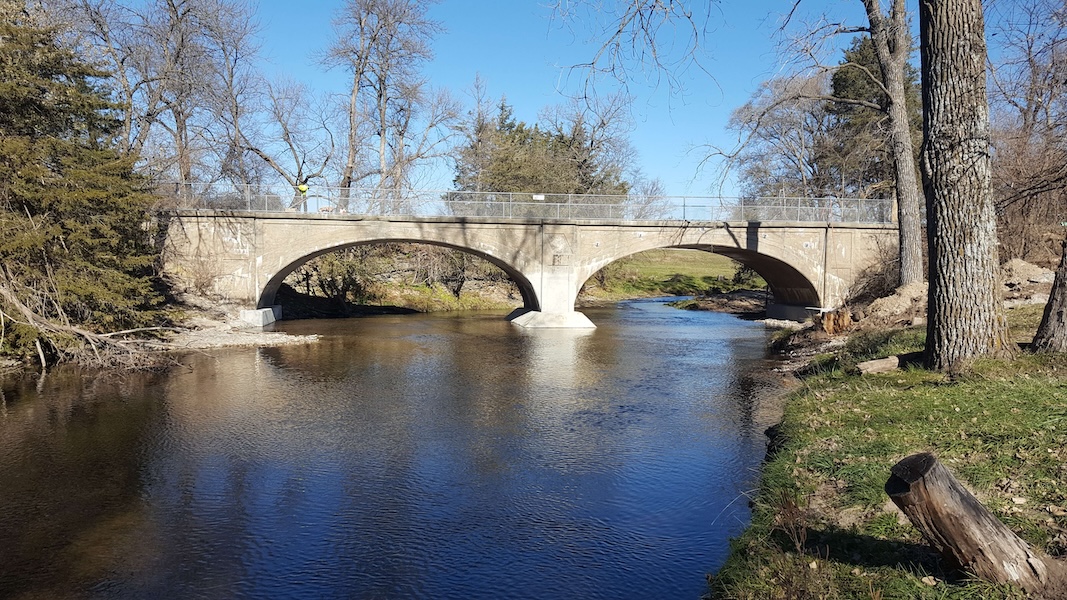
{"type": "Point", "coordinates": [423, 456]}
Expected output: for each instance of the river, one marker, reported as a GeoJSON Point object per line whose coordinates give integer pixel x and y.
{"type": "Point", "coordinates": [416, 456]}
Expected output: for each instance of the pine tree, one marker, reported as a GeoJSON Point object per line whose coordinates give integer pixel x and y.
{"type": "Point", "coordinates": [505, 155]}
{"type": "Point", "coordinates": [861, 134]}
{"type": "Point", "coordinates": [76, 257]}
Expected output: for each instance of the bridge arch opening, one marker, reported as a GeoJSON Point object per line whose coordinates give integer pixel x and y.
{"type": "Point", "coordinates": [791, 290]}
{"type": "Point", "coordinates": [788, 285]}
{"type": "Point", "coordinates": [270, 292]}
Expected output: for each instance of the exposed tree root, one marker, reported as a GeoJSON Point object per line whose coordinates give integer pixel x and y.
{"type": "Point", "coordinates": [72, 343]}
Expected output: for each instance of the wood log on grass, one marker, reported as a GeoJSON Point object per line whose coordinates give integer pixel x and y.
{"type": "Point", "coordinates": [889, 363]}
{"type": "Point", "coordinates": [879, 365]}
{"type": "Point", "coordinates": [966, 534]}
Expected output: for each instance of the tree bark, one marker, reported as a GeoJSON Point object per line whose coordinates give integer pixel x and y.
{"type": "Point", "coordinates": [966, 314]}
{"type": "Point", "coordinates": [892, 46]}
{"type": "Point", "coordinates": [1052, 332]}
{"type": "Point", "coordinates": [966, 534]}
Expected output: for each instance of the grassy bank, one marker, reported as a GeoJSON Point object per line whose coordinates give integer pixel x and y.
{"type": "Point", "coordinates": [822, 525]}
{"type": "Point", "coordinates": [667, 272]}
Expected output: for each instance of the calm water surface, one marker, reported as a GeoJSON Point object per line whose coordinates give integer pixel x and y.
{"type": "Point", "coordinates": [400, 457]}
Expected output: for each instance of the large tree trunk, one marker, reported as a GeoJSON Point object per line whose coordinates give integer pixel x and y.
{"type": "Point", "coordinates": [966, 534]}
{"type": "Point", "coordinates": [909, 215]}
{"type": "Point", "coordinates": [892, 46]}
{"type": "Point", "coordinates": [966, 316]}
{"type": "Point", "coordinates": [1052, 333]}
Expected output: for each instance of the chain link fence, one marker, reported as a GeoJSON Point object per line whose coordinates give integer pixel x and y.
{"type": "Point", "coordinates": [507, 205]}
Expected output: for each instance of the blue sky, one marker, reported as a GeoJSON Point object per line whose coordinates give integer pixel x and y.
{"type": "Point", "coordinates": [521, 53]}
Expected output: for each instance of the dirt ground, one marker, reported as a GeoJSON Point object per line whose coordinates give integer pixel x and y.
{"type": "Point", "coordinates": [213, 324]}
{"type": "Point", "coordinates": [744, 303]}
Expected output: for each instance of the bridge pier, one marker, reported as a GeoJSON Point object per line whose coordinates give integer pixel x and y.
{"type": "Point", "coordinates": [551, 266]}
{"type": "Point", "coordinates": [537, 319]}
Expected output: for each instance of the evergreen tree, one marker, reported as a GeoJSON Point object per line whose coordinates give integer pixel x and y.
{"type": "Point", "coordinates": [76, 258]}
{"type": "Point", "coordinates": [506, 155]}
{"type": "Point", "coordinates": [861, 150]}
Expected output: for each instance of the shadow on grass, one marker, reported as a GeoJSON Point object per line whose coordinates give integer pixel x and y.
{"type": "Point", "coordinates": [860, 550]}
{"type": "Point", "coordinates": [854, 552]}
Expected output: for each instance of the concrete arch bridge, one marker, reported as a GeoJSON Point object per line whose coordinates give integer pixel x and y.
{"type": "Point", "coordinates": [245, 255]}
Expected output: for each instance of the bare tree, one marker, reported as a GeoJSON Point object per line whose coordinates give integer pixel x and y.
{"type": "Point", "coordinates": [785, 127]}
{"type": "Point", "coordinates": [642, 36]}
{"type": "Point", "coordinates": [647, 198]}
{"type": "Point", "coordinates": [234, 97]}
{"type": "Point", "coordinates": [421, 132]}
{"type": "Point", "coordinates": [1051, 333]}
{"type": "Point", "coordinates": [1028, 97]}
{"type": "Point", "coordinates": [473, 156]}
{"type": "Point", "coordinates": [966, 316]}
{"type": "Point", "coordinates": [179, 66]}
{"type": "Point", "coordinates": [394, 121]}
{"type": "Point", "coordinates": [892, 44]}
{"type": "Point", "coordinates": [639, 39]}
{"type": "Point", "coordinates": [298, 140]}
{"type": "Point", "coordinates": [125, 41]}
{"type": "Point", "coordinates": [10, 9]}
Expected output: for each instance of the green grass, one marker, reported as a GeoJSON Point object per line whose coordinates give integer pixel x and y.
{"type": "Point", "coordinates": [668, 272]}
{"type": "Point", "coordinates": [664, 264]}
{"type": "Point", "coordinates": [822, 525]}
{"type": "Point", "coordinates": [435, 298]}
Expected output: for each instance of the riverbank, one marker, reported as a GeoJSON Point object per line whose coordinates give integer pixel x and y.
{"type": "Point", "coordinates": [822, 525]}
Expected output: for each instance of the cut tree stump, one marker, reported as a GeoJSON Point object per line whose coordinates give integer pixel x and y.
{"type": "Point", "coordinates": [835, 322]}
{"type": "Point", "coordinates": [966, 534]}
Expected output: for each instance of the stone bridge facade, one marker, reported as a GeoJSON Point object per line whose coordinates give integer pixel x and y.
{"type": "Point", "coordinates": [245, 256]}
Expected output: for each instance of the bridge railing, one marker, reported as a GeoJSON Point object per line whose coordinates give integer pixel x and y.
{"type": "Point", "coordinates": [512, 205]}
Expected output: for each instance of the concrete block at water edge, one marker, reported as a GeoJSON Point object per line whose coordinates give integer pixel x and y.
{"type": "Point", "coordinates": [258, 318]}
{"type": "Point", "coordinates": [536, 319]}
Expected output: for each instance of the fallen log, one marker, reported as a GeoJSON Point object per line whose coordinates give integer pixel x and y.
{"type": "Point", "coordinates": [879, 365]}
{"type": "Point", "coordinates": [966, 533]}
{"type": "Point", "coordinates": [890, 363]}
